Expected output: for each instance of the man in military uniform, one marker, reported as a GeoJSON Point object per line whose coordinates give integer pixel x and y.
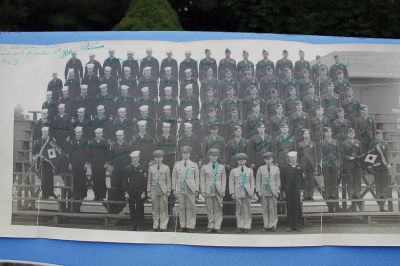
{"type": "Point", "coordinates": [159, 189]}
{"type": "Point", "coordinates": [291, 175]}
{"type": "Point", "coordinates": [100, 120]}
{"type": "Point", "coordinates": [209, 102]}
{"type": "Point", "coordinates": [214, 141]}
{"type": "Point", "coordinates": [189, 117]}
{"type": "Point", "coordinates": [135, 187]}
{"type": "Point", "coordinates": [261, 67]}
{"type": "Point", "coordinates": [291, 102]}
{"type": "Point", "coordinates": [341, 84]}
{"type": "Point", "coordinates": [119, 159]}
{"type": "Point", "coordinates": [133, 64]}
{"type": "Point", "coordinates": [152, 62]}
{"type": "Point", "coordinates": [121, 122]}
{"type": "Point", "coordinates": [145, 116]}
{"type": "Point", "coordinates": [268, 183]}
{"type": "Point", "coordinates": [42, 122]}
{"type": "Point", "coordinates": [308, 159]}
{"type": "Point", "coordinates": [97, 69]}
{"type": "Point", "coordinates": [365, 128]}
{"type": "Point", "coordinates": [351, 106]}
{"type": "Point", "coordinates": [244, 65]}
{"type": "Point", "coordinates": [142, 141]}
{"type": "Point", "coordinates": [212, 120]}
{"type": "Point", "coordinates": [330, 158]}
{"type": "Point", "coordinates": [188, 63]}
{"type": "Point", "coordinates": [188, 138]}
{"type": "Point", "coordinates": [207, 63]}
{"type": "Point", "coordinates": [381, 170]}
{"type": "Point", "coordinates": [247, 81]}
{"type": "Point", "coordinates": [304, 83]}
{"type": "Point", "coordinates": [233, 121]}
{"type": "Point", "coordinates": [275, 122]}
{"type": "Point", "coordinates": [99, 155]}
{"type": "Point", "coordinates": [168, 81]}
{"type": "Point", "coordinates": [331, 102]}
{"type": "Point", "coordinates": [259, 143]}
{"type": "Point", "coordinates": [237, 144]}
{"type": "Point", "coordinates": [337, 66]}
{"type": "Point", "coordinates": [186, 186]}
{"type": "Point", "coordinates": [62, 126]}
{"type": "Point", "coordinates": [315, 69]}
{"type": "Point", "coordinates": [72, 83]}
{"type": "Point", "coordinates": [301, 65]}
{"type": "Point", "coordinates": [209, 82]}
{"type": "Point", "coordinates": [167, 143]}
{"type": "Point", "coordinates": [106, 100]}
{"type": "Point", "coordinates": [230, 102]}
{"type": "Point", "coordinates": [126, 101]}
{"type": "Point", "coordinates": [114, 63]}
{"type": "Point", "coordinates": [286, 83]}
{"type": "Point", "coordinates": [146, 100]}
{"type": "Point", "coordinates": [85, 100]}
{"type": "Point", "coordinates": [50, 105]}
{"type": "Point", "coordinates": [241, 189]}
{"type": "Point", "coordinates": [129, 80]}
{"type": "Point", "coordinates": [272, 103]}
{"type": "Point", "coordinates": [212, 187]}
{"type": "Point", "coordinates": [253, 119]}
{"type": "Point", "coordinates": [311, 102]}
{"type": "Point", "coordinates": [78, 155]}
{"type": "Point", "coordinates": [66, 100]}
{"type": "Point", "coordinates": [226, 64]}
{"type": "Point", "coordinates": [188, 80]}
{"type": "Point", "coordinates": [189, 99]}
{"type": "Point", "coordinates": [55, 85]}
{"type": "Point", "coordinates": [169, 100]}
{"type": "Point", "coordinates": [322, 82]}
{"type": "Point", "coordinates": [76, 65]}
{"type": "Point", "coordinates": [299, 121]}
{"type": "Point", "coordinates": [267, 83]}
{"type": "Point", "coordinates": [282, 64]}
{"type": "Point", "coordinates": [167, 117]}
{"type": "Point", "coordinates": [91, 80]}
{"type": "Point", "coordinates": [250, 100]}
{"type": "Point", "coordinates": [340, 126]}
{"type": "Point", "coordinates": [318, 123]}
{"type": "Point", "coordinates": [83, 121]}
{"type": "Point", "coordinates": [110, 81]}
{"type": "Point", "coordinates": [228, 82]}
{"type": "Point", "coordinates": [147, 80]}
{"type": "Point", "coordinates": [171, 64]}
{"type": "Point", "coordinates": [351, 150]}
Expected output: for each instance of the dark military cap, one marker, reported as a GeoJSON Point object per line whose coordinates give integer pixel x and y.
{"type": "Point", "coordinates": [335, 56]}
{"type": "Point", "coordinates": [259, 124]}
{"type": "Point", "coordinates": [339, 110]}
{"type": "Point", "coordinates": [378, 131]}
{"type": "Point", "coordinates": [264, 51]}
{"type": "Point", "coordinates": [285, 51]}
{"type": "Point", "coordinates": [158, 153]}
{"type": "Point", "coordinates": [350, 130]}
{"type": "Point", "coordinates": [298, 102]}
{"type": "Point", "coordinates": [339, 72]}
{"type": "Point", "coordinates": [207, 50]}
{"type": "Point", "coordinates": [317, 56]}
{"type": "Point", "coordinates": [268, 155]}
{"type": "Point", "coordinates": [234, 109]}
{"type": "Point", "coordinates": [214, 152]}
{"type": "Point", "coordinates": [245, 52]}
{"type": "Point", "coordinates": [241, 156]}
{"type": "Point", "coordinates": [186, 149]}
{"type": "Point", "coordinates": [214, 127]}
{"type": "Point", "coordinates": [227, 50]}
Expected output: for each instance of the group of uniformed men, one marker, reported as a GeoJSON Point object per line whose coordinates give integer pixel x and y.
{"type": "Point", "coordinates": [130, 119]}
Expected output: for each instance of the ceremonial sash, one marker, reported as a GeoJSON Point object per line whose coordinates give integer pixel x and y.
{"type": "Point", "coordinates": [185, 177]}
{"type": "Point", "coordinates": [214, 178]}
{"type": "Point", "coordinates": [243, 179]}
{"type": "Point", "coordinates": [267, 181]}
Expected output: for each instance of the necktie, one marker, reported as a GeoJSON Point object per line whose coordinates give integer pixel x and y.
{"type": "Point", "coordinates": [269, 169]}
{"type": "Point", "coordinates": [185, 163]}
{"type": "Point", "coordinates": [242, 169]}
{"type": "Point", "coordinates": [214, 165]}
{"type": "Point", "coordinates": [158, 167]}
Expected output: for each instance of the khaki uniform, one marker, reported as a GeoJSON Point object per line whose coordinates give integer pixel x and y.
{"type": "Point", "coordinates": [212, 186]}
{"type": "Point", "coordinates": [268, 184]}
{"type": "Point", "coordinates": [159, 186]}
{"type": "Point", "coordinates": [242, 185]}
{"type": "Point", "coordinates": [185, 183]}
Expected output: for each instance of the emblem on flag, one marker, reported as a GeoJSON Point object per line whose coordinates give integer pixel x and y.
{"type": "Point", "coordinates": [51, 153]}
{"type": "Point", "coordinates": [370, 158]}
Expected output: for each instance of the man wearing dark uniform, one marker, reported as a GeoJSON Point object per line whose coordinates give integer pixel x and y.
{"type": "Point", "coordinates": [237, 144]}
{"type": "Point", "coordinates": [148, 81]}
{"type": "Point", "coordinates": [114, 63]}
{"type": "Point", "coordinates": [301, 65]}
{"type": "Point", "coordinates": [168, 81]}
{"type": "Point", "coordinates": [338, 66]}
{"type": "Point", "coordinates": [207, 63]}
{"type": "Point", "coordinates": [188, 138]}
{"type": "Point", "coordinates": [275, 122]}
{"type": "Point", "coordinates": [188, 80]}
{"type": "Point", "coordinates": [232, 122]}
{"type": "Point", "coordinates": [226, 64]}
{"type": "Point", "coordinates": [189, 117]}
{"type": "Point", "coordinates": [259, 144]}
{"type": "Point", "coordinates": [67, 101]}
{"type": "Point", "coordinates": [253, 119]}
{"type": "Point", "coordinates": [299, 121]}
{"type": "Point", "coordinates": [268, 83]}
{"type": "Point", "coordinates": [282, 64]}
{"type": "Point", "coordinates": [97, 69]}
{"type": "Point", "coordinates": [227, 82]}
{"type": "Point", "coordinates": [76, 65]}
{"type": "Point", "coordinates": [72, 83]}
{"type": "Point", "coordinates": [167, 117]}
{"type": "Point", "coordinates": [150, 61]}
{"type": "Point", "coordinates": [62, 126]}
{"type": "Point", "coordinates": [142, 141]}
{"type": "Point", "coordinates": [214, 141]}
{"type": "Point", "coordinates": [189, 99]}
{"type": "Point", "coordinates": [99, 150]}
{"type": "Point", "coordinates": [308, 160]}
{"type": "Point", "coordinates": [243, 65]}
{"type": "Point", "coordinates": [84, 100]}
{"type": "Point", "coordinates": [133, 64]}
{"type": "Point", "coordinates": [311, 102]}
{"type": "Point", "coordinates": [261, 67]}
{"type": "Point", "coordinates": [365, 128]}
{"type": "Point", "coordinates": [210, 82]}
{"type": "Point", "coordinates": [126, 101]}
{"type": "Point", "coordinates": [91, 80]}
{"type": "Point", "coordinates": [248, 80]}
{"type": "Point", "coordinates": [83, 121]}
{"type": "Point", "coordinates": [168, 99]}
{"type": "Point", "coordinates": [129, 80]}
{"type": "Point", "coordinates": [110, 81]}
{"type": "Point", "coordinates": [106, 100]}
{"type": "Point", "coordinates": [123, 123]}
{"type": "Point", "coordinates": [286, 83]}
{"type": "Point", "coordinates": [315, 69]}
{"type": "Point", "coordinates": [169, 63]}
{"type": "Point", "coordinates": [304, 83]}
{"type": "Point", "coordinates": [146, 100]}
{"type": "Point", "coordinates": [341, 84]}
{"type": "Point", "coordinates": [50, 105]}
{"type": "Point", "coordinates": [188, 63]}
{"type": "Point", "coordinates": [272, 103]}
{"type": "Point", "coordinates": [340, 127]}
{"type": "Point", "coordinates": [55, 85]}
{"type": "Point", "coordinates": [100, 120]}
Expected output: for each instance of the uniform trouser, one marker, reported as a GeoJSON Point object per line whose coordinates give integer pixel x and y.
{"type": "Point", "coordinates": [79, 186]}
{"type": "Point", "coordinates": [293, 206]}
{"type": "Point", "coordinates": [99, 182]}
{"type": "Point", "coordinates": [187, 210]}
{"type": "Point", "coordinates": [330, 186]}
{"type": "Point", "coordinates": [353, 185]}
{"type": "Point", "coordinates": [381, 177]}
{"type": "Point", "coordinates": [309, 183]}
{"type": "Point", "coordinates": [243, 212]}
{"type": "Point", "coordinates": [214, 212]}
{"type": "Point", "coordinates": [136, 209]}
{"type": "Point", "coordinates": [66, 193]}
{"type": "Point", "coordinates": [169, 159]}
{"type": "Point", "coordinates": [47, 179]}
{"type": "Point", "coordinates": [269, 211]}
{"type": "Point", "coordinates": [160, 211]}
{"type": "Point", "coordinates": [116, 192]}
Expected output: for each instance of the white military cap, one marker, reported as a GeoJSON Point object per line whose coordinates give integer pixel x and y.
{"type": "Point", "coordinates": [169, 51]}
{"type": "Point", "coordinates": [121, 109]}
{"type": "Point", "coordinates": [142, 122]}
{"type": "Point", "coordinates": [188, 108]}
{"type": "Point", "coordinates": [49, 93]}
{"type": "Point", "coordinates": [188, 124]}
{"type": "Point", "coordinates": [91, 54]}
{"type": "Point", "coordinates": [65, 88]}
{"type": "Point", "coordinates": [144, 89]}
{"type": "Point", "coordinates": [81, 109]}
{"type": "Point", "coordinates": [168, 88]}
{"type": "Point", "coordinates": [102, 86]}
{"type": "Point", "coordinates": [111, 50]}
{"type": "Point", "coordinates": [167, 68]}
{"type": "Point", "coordinates": [98, 130]}
{"type": "Point", "coordinates": [144, 108]}
{"type": "Point", "coordinates": [45, 111]}
{"type": "Point", "coordinates": [124, 87]}
{"type": "Point", "coordinates": [129, 52]}
{"type": "Point", "coordinates": [73, 51]}
{"type": "Point", "coordinates": [167, 106]}
{"type": "Point", "coordinates": [90, 66]}
{"type": "Point", "coordinates": [135, 154]}
{"type": "Point", "coordinates": [149, 49]}
{"type": "Point", "coordinates": [71, 70]}
{"type": "Point", "coordinates": [188, 70]}
{"type": "Point", "coordinates": [292, 154]}
{"type": "Point", "coordinates": [78, 129]}
{"type": "Point", "coordinates": [54, 72]}
{"type": "Point", "coordinates": [100, 107]}
{"type": "Point", "coordinates": [119, 132]}
{"type": "Point", "coordinates": [165, 124]}
{"type": "Point", "coordinates": [188, 52]}
{"type": "Point", "coordinates": [44, 129]}
{"type": "Point", "coordinates": [107, 68]}
{"type": "Point", "coordinates": [147, 68]}
{"type": "Point", "coordinates": [127, 68]}
{"type": "Point", "coordinates": [189, 86]}
{"type": "Point", "coordinates": [84, 86]}
{"type": "Point", "coordinates": [61, 105]}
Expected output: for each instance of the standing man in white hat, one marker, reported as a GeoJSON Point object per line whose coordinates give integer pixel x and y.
{"type": "Point", "coordinates": [114, 63]}
{"type": "Point", "coordinates": [171, 63]}
{"type": "Point", "coordinates": [150, 61]}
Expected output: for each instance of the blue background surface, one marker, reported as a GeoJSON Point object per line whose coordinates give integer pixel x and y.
{"type": "Point", "coordinates": [90, 253]}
